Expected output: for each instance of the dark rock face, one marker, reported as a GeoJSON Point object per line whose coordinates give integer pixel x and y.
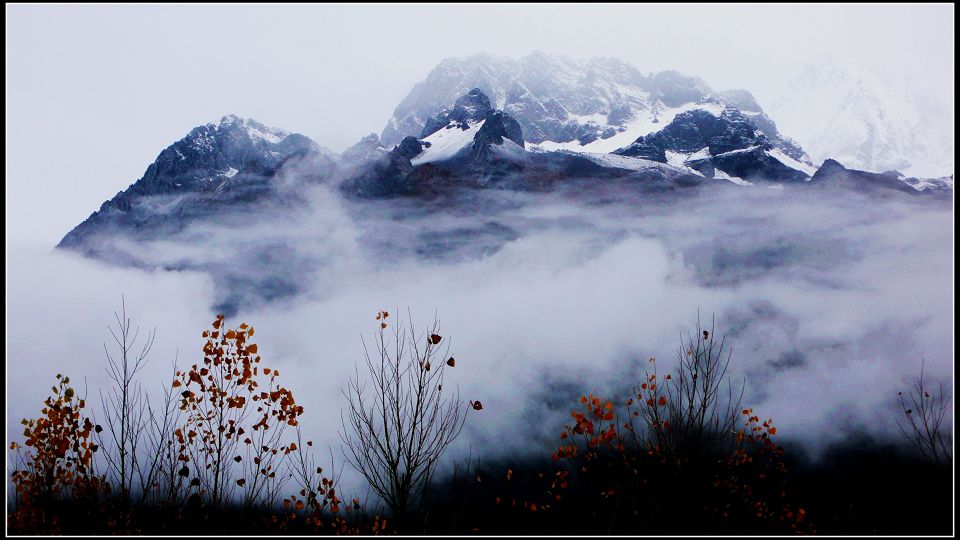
{"type": "Point", "coordinates": [385, 176]}
{"type": "Point", "coordinates": [497, 126]}
{"type": "Point", "coordinates": [409, 147]}
{"type": "Point", "coordinates": [471, 107]}
{"type": "Point", "coordinates": [744, 101]}
{"type": "Point", "coordinates": [833, 173]}
{"type": "Point", "coordinates": [756, 164]}
{"type": "Point", "coordinates": [696, 129]}
{"type": "Point", "coordinates": [735, 146]}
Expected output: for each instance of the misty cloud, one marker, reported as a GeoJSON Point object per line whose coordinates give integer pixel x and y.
{"type": "Point", "coordinates": [829, 302]}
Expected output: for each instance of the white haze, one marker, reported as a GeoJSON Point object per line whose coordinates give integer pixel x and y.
{"type": "Point", "coordinates": [830, 302]}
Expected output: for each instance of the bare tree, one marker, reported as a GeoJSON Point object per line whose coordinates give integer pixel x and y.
{"type": "Point", "coordinates": [319, 489]}
{"type": "Point", "coordinates": [695, 408]}
{"type": "Point", "coordinates": [923, 421]}
{"type": "Point", "coordinates": [396, 433]}
{"type": "Point", "coordinates": [125, 406]}
{"type": "Point", "coordinates": [160, 478]}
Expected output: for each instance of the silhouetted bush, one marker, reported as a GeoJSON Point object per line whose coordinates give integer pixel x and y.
{"type": "Point", "coordinates": [224, 453]}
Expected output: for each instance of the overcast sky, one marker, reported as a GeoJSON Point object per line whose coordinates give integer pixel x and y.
{"type": "Point", "coordinates": [94, 93]}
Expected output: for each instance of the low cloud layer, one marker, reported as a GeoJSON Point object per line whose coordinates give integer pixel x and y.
{"type": "Point", "coordinates": [830, 301]}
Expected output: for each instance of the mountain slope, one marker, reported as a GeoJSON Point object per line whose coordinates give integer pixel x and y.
{"type": "Point", "coordinates": [595, 106]}
{"type": "Point", "coordinates": [236, 174]}
{"type": "Point", "coordinates": [227, 162]}
{"type": "Point", "coordinates": [833, 174]}
{"type": "Point", "coordinates": [867, 119]}
{"type": "Point", "coordinates": [713, 138]}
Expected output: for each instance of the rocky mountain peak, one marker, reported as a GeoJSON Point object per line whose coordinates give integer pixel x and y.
{"type": "Point", "coordinates": [469, 108]}
{"type": "Point", "coordinates": [472, 105]}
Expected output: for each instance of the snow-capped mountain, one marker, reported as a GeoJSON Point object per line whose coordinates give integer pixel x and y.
{"type": "Point", "coordinates": [834, 174]}
{"type": "Point", "coordinates": [714, 139]}
{"type": "Point", "coordinates": [596, 106]}
{"type": "Point", "coordinates": [469, 144]}
{"type": "Point", "coordinates": [866, 119]}
{"type": "Point", "coordinates": [598, 119]}
{"type": "Point", "coordinates": [226, 161]}
{"type": "Point", "coordinates": [472, 124]}
{"type": "Point", "coordinates": [240, 171]}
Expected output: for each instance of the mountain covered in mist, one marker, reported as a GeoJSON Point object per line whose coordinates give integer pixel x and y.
{"type": "Point", "coordinates": [596, 105]}
{"type": "Point", "coordinates": [866, 118]}
{"type": "Point", "coordinates": [224, 164]}
{"type": "Point", "coordinates": [662, 135]}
